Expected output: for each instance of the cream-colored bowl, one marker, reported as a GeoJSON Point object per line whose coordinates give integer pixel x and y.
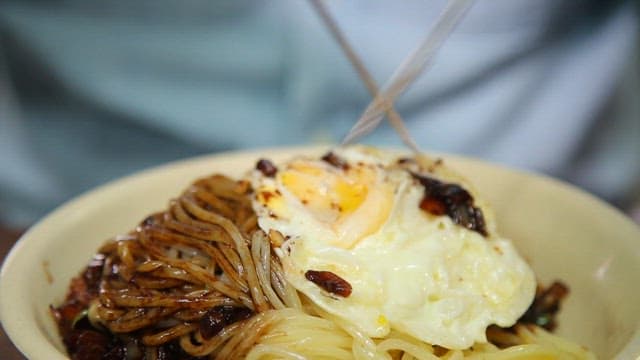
{"type": "Point", "coordinates": [565, 233]}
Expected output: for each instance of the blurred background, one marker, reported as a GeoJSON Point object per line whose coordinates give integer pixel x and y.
{"type": "Point", "coordinates": [94, 90]}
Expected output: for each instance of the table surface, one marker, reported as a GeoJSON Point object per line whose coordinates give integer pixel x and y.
{"type": "Point", "coordinates": [7, 239]}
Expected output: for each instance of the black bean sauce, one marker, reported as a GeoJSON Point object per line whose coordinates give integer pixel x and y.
{"type": "Point", "coordinates": [442, 198]}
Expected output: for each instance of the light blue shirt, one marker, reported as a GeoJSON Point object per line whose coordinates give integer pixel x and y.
{"type": "Point", "coordinates": [90, 90]}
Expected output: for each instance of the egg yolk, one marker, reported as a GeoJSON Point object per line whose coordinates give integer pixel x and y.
{"type": "Point", "coordinates": [354, 203]}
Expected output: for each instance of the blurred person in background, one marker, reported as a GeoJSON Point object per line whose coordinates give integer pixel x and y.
{"type": "Point", "coordinates": [93, 90]}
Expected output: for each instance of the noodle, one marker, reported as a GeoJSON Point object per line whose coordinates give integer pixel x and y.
{"type": "Point", "coordinates": [201, 280]}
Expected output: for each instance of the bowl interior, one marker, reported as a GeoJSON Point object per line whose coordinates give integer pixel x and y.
{"type": "Point", "coordinates": [564, 233]}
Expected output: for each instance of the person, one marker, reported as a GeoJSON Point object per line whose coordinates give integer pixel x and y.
{"type": "Point", "coordinates": [90, 91]}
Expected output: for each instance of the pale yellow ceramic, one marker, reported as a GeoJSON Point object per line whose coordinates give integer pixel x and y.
{"type": "Point", "coordinates": [565, 233]}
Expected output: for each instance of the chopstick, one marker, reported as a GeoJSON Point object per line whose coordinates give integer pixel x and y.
{"type": "Point", "coordinates": [394, 117]}
{"type": "Point", "coordinates": [416, 63]}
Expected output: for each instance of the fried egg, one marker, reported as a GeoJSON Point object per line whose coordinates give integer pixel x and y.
{"type": "Point", "coordinates": [363, 219]}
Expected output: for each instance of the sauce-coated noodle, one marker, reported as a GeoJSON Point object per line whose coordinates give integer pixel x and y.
{"type": "Point", "coordinates": [200, 280]}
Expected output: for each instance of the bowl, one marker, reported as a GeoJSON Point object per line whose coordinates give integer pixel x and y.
{"type": "Point", "coordinates": [563, 232]}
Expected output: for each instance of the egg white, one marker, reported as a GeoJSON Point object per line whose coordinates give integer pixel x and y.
{"type": "Point", "coordinates": [409, 270]}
